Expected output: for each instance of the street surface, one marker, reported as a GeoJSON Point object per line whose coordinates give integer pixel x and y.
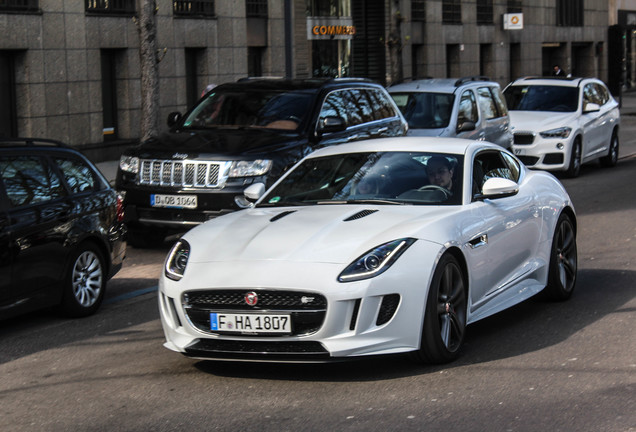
{"type": "Point", "coordinates": [539, 366]}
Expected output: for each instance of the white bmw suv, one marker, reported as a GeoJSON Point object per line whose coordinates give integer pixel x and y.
{"type": "Point", "coordinates": [560, 123]}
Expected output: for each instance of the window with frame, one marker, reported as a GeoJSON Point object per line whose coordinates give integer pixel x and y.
{"type": "Point", "coordinates": [29, 180]}
{"type": "Point", "coordinates": [487, 103]}
{"type": "Point", "coordinates": [467, 108]}
{"type": "Point", "coordinates": [514, 6]}
{"type": "Point", "coordinates": [569, 13]}
{"type": "Point", "coordinates": [19, 6]}
{"type": "Point", "coordinates": [418, 10]}
{"type": "Point", "coordinates": [484, 12]}
{"type": "Point", "coordinates": [451, 12]}
{"type": "Point", "coordinates": [193, 8]}
{"type": "Point", "coordinates": [110, 7]}
{"type": "Point", "coordinates": [79, 177]}
{"type": "Point", "coordinates": [256, 8]}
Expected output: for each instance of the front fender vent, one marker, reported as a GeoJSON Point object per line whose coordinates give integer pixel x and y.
{"type": "Point", "coordinates": [281, 215]}
{"type": "Point", "coordinates": [360, 215]}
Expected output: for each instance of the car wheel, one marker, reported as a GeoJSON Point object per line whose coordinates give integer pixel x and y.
{"type": "Point", "coordinates": [445, 316]}
{"type": "Point", "coordinates": [563, 261]}
{"type": "Point", "coordinates": [612, 154]}
{"type": "Point", "coordinates": [85, 282]}
{"type": "Point", "coordinates": [575, 160]}
{"type": "Point", "coordinates": [142, 237]}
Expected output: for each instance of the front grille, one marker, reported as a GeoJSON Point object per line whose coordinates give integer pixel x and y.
{"type": "Point", "coordinates": [523, 138]}
{"type": "Point", "coordinates": [237, 350]}
{"type": "Point", "coordinates": [553, 159]}
{"type": "Point", "coordinates": [174, 173]}
{"type": "Point", "coordinates": [307, 310]}
{"type": "Point", "coordinates": [387, 308]}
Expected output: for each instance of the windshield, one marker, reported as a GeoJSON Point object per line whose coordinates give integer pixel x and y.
{"type": "Point", "coordinates": [384, 178]}
{"type": "Point", "coordinates": [542, 98]}
{"type": "Point", "coordinates": [254, 109]}
{"type": "Point", "coordinates": [425, 110]}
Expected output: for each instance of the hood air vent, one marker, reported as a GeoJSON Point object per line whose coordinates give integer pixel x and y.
{"type": "Point", "coordinates": [281, 215]}
{"type": "Point", "coordinates": [360, 215]}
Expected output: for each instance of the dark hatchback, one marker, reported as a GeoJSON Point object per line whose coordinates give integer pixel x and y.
{"type": "Point", "coordinates": [62, 234]}
{"type": "Point", "coordinates": [239, 134]}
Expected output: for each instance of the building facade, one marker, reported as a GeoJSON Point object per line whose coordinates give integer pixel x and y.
{"type": "Point", "coordinates": [69, 70]}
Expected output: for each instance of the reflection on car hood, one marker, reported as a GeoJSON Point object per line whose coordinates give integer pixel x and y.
{"type": "Point", "coordinates": [539, 121]}
{"type": "Point", "coordinates": [226, 142]}
{"type": "Point", "coordinates": [427, 132]}
{"type": "Point", "coordinates": [318, 233]}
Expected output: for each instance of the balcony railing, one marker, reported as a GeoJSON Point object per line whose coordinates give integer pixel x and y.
{"type": "Point", "coordinates": [19, 6]}
{"type": "Point", "coordinates": [111, 7]}
{"type": "Point", "coordinates": [193, 8]}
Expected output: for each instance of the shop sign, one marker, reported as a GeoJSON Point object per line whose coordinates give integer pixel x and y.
{"type": "Point", "coordinates": [330, 28]}
{"type": "Point", "coordinates": [513, 21]}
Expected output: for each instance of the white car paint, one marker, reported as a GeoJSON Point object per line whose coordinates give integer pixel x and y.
{"type": "Point", "coordinates": [307, 248]}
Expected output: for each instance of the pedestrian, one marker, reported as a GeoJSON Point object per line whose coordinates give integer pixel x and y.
{"type": "Point", "coordinates": [557, 71]}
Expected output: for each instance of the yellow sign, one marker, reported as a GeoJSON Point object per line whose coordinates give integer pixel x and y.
{"type": "Point", "coordinates": [330, 28]}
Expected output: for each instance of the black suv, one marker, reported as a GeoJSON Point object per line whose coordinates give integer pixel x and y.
{"type": "Point", "coordinates": [62, 234]}
{"type": "Point", "coordinates": [238, 134]}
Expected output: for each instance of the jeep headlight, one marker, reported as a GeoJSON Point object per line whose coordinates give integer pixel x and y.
{"type": "Point", "coordinates": [376, 261]}
{"type": "Point", "coordinates": [177, 260]}
{"type": "Point", "coordinates": [129, 164]}
{"type": "Point", "coordinates": [562, 132]}
{"type": "Point", "coordinates": [253, 168]}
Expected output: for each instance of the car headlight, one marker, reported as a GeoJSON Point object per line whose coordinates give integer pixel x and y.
{"type": "Point", "coordinates": [376, 261]}
{"type": "Point", "coordinates": [562, 132]}
{"type": "Point", "coordinates": [177, 260]}
{"type": "Point", "coordinates": [129, 164]}
{"type": "Point", "coordinates": [250, 168]}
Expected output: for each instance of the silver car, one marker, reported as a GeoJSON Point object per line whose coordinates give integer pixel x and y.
{"type": "Point", "coordinates": [471, 107]}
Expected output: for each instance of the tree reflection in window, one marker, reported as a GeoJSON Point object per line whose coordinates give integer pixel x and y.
{"type": "Point", "coordinates": [29, 181]}
{"type": "Point", "coordinates": [78, 176]}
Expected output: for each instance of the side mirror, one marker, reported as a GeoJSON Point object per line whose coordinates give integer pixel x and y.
{"type": "Point", "coordinates": [250, 195]}
{"type": "Point", "coordinates": [498, 187]}
{"type": "Point", "coordinates": [591, 107]}
{"type": "Point", "coordinates": [331, 124]}
{"type": "Point", "coordinates": [466, 126]}
{"type": "Point", "coordinates": [173, 118]}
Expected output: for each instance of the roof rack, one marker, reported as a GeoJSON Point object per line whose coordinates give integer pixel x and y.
{"type": "Point", "coordinates": [466, 79]}
{"type": "Point", "coordinates": [31, 142]}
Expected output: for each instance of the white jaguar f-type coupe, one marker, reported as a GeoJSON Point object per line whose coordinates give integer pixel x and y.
{"type": "Point", "coordinates": [376, 247]}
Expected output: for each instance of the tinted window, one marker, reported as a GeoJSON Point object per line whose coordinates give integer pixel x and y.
{"type": "Point", "coordinates": [542, 98]}
{"type": "Point", "coordinates": [78, 175]}
{"type": "Point", "coordinates": [29, 180]}
{"type": "Point", "coordinates": [353, 106]}
{"type": "Point", "coordinates": [490, 164]}
{"type": "Point", "coordinates": [515, 169]}
{"type": "Point", "coordinates": [381, 105]}
{"type": "Point", "coordinates": [487, 103]}
{"type": "Point", "coordinates": [467, 108]}
{"type": "Point", "coordinates": [425, 110]}
{"type": "Point", "coordinates": [500, 101]}
{"type": "Point", "coordinates": [590, 95]}
{"type": "Point", "coordinates": [603, 93]}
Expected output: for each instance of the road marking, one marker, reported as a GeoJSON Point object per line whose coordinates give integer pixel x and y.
{"type": "Point", "coordinates": [131, 294]}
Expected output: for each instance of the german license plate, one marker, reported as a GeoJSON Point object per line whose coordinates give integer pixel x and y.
{"type": "Point", "coordinates": [250, 323]}
{"type": "Point", "coordinates": [175, 201]}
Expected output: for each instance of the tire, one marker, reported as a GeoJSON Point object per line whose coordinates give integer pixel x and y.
{"type": "Point", "coordinates": [445, 315]}
{"type": "Point", "coordinates": [563, 261]}
{"type": "Point", "coordinates": [142, 237]}
{"type": "Point", "coordinates": [574, 169]}
{"type": "Point", "coordinates": [84, 282]}
{"type": "Point", "coordinates": [612, 154]}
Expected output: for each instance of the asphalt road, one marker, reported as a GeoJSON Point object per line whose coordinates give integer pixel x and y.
{"type": "Point", "coordinates": [540, 366]}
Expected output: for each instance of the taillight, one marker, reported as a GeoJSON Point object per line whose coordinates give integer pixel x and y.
{"type": "Point", "coordinates": [120, 208]}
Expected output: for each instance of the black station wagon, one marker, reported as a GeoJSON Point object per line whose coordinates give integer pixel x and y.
{"type": "Point", "coordinates": [62, 234]}
{"type": "Point", "coordinates": [239, 134]}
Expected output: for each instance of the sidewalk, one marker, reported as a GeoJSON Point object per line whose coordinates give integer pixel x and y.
{"type": "Point", "coordinates": [627, 136]}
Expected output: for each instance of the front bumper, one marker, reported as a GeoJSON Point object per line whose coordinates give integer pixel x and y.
{"type": "Point", "coordinates": [550, 154]}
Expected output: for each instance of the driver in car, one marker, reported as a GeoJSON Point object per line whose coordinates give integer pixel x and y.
{"type": "Point", "coordinates": [440, 172]}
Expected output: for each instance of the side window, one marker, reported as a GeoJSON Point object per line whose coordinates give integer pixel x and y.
{"type": "Point", "coordinates": [361, 103]}
{"type": "Point", "coordinates": [590, 95]}
{"type": "Point", "coordinates": [29, 180]}
{"type": "Point", "coordinates": [78, 175]}
{"type": "Point", "coordinates": [487, 165]}
{"type": "Point", "coordinates": [467, 108]}
{"type": "Point", "coordinates": [513, 165]}
{"type": "Point", "coordinates": [500, 101]}
{"type": "Point", "coordinates": [336, 105]}
{"type": "Point", "coordinates": [487, 103]}
{"type": "Point", "coordinates": [381, 105]}
{"type": "Point", "coordinates": [603, 94]}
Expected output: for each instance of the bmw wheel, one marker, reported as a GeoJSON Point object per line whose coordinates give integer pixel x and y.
{"type": "Point", "coordinates": [445, 316]}
{"type": "Point", "coordinates": [575, 160]}
{"type": "Point", "coordinates": [85, 282]}
{"type": "Point", "coordinates": [612, 154]}
{"type": "Point", "coordinates": [563, 261]}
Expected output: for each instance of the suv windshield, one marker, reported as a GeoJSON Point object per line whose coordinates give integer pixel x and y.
{"type": "Point", "coordinates": [425, 110]}
{"type": "Point", "coordinates": [386, 178]}
{"type": "Point", "coordinates": [251, 108]}
{"type": "Point", "coordinates": [542, 98]}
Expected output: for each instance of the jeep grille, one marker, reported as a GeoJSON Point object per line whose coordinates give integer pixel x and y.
{"type": "Point", "coordinates": [196, 174]}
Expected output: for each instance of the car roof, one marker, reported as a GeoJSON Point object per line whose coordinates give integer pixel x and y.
{"type": "Point", "coordinates": [457, 146]}
{"type": "Point", "coordinates": [259, 83]}
{"type": "Point", "coordinates": [441, 85]}
{"type": "Point", "coordinates": [552, 81]}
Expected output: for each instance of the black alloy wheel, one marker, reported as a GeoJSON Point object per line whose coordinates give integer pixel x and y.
{"type": "Point", "coordinates": [445, 319]}
{"type": "Point", "coordinates": [575, 160]}
{"type": "Point", "coordinates": [612, 154]}
{"type": "Point", "coordinates": [563, 261]}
